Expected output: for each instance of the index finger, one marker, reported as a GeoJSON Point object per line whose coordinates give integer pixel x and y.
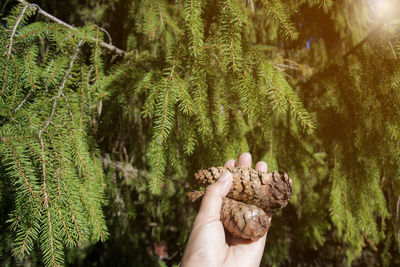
{"type": "Point", "coordinates": [230, 163]}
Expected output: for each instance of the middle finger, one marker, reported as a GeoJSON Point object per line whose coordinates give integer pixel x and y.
{"type": "Point", "coordinates": [245, 160]}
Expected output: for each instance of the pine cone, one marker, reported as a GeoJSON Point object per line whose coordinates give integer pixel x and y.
{"type": "Point", "coordinates": [253, 194]}
{"type": "Point", "coordinates": [244, 220]}
{"type": "Point", "coordinates": [268, 191]}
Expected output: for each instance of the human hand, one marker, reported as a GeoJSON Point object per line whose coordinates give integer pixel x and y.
{"type": "Point", "coordinates": [208, 244]}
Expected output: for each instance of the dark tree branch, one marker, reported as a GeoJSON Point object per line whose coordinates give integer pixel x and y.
{"type": "Point", "coordinates": [109, 47]}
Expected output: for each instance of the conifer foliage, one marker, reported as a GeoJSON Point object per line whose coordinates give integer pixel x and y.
{"type": "Point", "coordinates": [304, 85]}
{"type": "Point", "coordinates": [50, 169]}
{"type": "Point", "coordinates": [225, 80]}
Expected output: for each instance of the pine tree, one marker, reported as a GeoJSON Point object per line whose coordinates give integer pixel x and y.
{"type": "Point", "coordinates": [309, 86]}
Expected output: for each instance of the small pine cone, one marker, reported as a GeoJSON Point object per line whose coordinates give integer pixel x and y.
{"type": "Point", "coordinates": [243, 220]}
{"type": "Point", "coordinates": [268, 191]}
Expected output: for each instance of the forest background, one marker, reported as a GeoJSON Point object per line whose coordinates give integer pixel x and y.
{"type": "Point", "coordinates": [103, 125]}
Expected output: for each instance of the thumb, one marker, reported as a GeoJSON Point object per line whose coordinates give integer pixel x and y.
{"type": "Point", "coordinates": [212, 200]}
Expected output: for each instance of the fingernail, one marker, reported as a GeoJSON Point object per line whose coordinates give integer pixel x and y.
{"type": "Point", "coordinates": [224, 177]}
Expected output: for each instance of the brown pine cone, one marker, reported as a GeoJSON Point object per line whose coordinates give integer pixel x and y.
{"type": "Point", "coordinates": [268, 191]}
{"type": "Point", "coordinates": [244, 220]}
{"type": "Point", "coordinates": [240, 219]}
{"type": "Point", "coordinates": [252, 195]}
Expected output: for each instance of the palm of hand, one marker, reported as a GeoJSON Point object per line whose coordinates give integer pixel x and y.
{"type": "Point", "coordinates": [209, 244]}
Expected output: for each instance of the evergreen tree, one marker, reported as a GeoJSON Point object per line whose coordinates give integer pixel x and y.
{"type": "Point", "coordinates": [310, 86]}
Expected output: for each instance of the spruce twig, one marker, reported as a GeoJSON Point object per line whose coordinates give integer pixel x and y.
{"type": "Point", "coordinates": [46, 202]}
{"type": "Point", "coordinates": [107, 33]}
{"type": "Point", "coordinates": [281, 19]}
{"type": "Point", "coordinates": [110, 47]}
{"type": "Point", "coordinates": [20, 168]}
{"type": "Point", "coordinates": [23, 101]}
{"type": "Point", "coordinates": [60, 89]}
{"type": "Point", "coordinates": [14, 30]}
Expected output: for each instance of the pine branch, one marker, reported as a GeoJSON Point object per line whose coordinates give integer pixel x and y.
{"type": "Point", "coordinates": [274, 85]}
{"type": "Point", "coordinates": [200, 98]}
{"type": "Point", "coordinates": [162, 122]}
{"type": "Point", "coordinates": [46, 201]}
{"type": "Point", "coordinates": [192, 13]}
{"type": "Point", "coordinates": [31, 78]}
{"type": "Point", "coordinates": [280, 15]}
{"type": "Point", "coordinates": [70, 239]}
{"type": "Point", "coordinates": [110, 47]}
{"type": "Point", "coordinates": [158, 165]}
{"type": "Point", "coordinates": [27, 243]}
{"type": "Point", "coordinates": [278, 96]}
{"type": "Point", "coordinates": [40, 169]}
{"type": "Point", "coordinates": [24, 100]}
{"type": "Point", "coordinates": [68, 195]}
{"type": "Point", "coordinates": [84, 168]}
{"type": "Point", "coordinates": [299, 112]}
{"type": "Point", "coordinates": [203, 116]}
{"type": "Point", "coordinates": [186, 103]}
{"type": "Point", "coordinates": [20, 167]}
{"type": "Point", "coordinates": [190, 140]}
{"type": "Point", "coordinates": [96, 56]}
{"type": "Point", "coordinates": [14, 30]}
{"type": "Point", "coordinates": [60, 89]}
